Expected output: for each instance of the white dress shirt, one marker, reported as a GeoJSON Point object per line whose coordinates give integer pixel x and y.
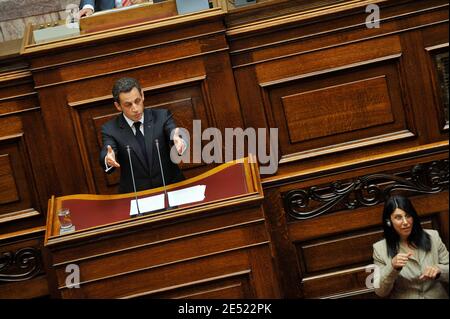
{"type": "Point", "coordinates": [141, 128]}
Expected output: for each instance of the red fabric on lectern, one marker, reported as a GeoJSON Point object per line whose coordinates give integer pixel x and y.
{"type": "Point", "coordinates": [85, 213]}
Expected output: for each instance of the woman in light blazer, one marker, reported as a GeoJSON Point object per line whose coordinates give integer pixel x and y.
{"type": "Point", "coordinates": [410, 262]}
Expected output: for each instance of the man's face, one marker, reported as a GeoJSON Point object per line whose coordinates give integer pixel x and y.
{"type": "Point", "coordinates": [131, 104]}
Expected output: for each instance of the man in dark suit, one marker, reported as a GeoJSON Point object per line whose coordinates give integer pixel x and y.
{"type": "Point", "coordinates": [139, 129]}
{"type": "Point", "coordinates": [88, 7]}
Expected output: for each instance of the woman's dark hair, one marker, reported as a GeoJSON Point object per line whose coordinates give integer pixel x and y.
{"type": "Point", "coordinates": [124, 85]}
{"type": "Point", "coordinates": [418, 237]}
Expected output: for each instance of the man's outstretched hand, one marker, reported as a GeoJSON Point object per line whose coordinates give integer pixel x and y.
{"type": "Point", "coordinates": [86, 12]}
{"type": "Point", "coordinates": [179, 142]}
{"type": "Point", "coordinates": [111, 158]}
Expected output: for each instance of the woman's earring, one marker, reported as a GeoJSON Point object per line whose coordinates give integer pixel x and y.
{"type": "Point", "coordinates": [388, 223]}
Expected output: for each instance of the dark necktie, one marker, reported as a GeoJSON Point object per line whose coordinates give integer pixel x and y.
{"type": "Point", "coordinates": [140, 139]}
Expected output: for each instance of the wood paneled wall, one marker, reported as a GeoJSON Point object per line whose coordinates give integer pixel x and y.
{"type": "Point", "coordinates": [185, 69]}
{"type": "Point", "coordinates": [224, 254]}
{"type": "Point", "coordinates": [26, 176]}
{"type": "Point", "coordinates": [338, 90]}
{"type": "Point", "coordinates": [348, 100]}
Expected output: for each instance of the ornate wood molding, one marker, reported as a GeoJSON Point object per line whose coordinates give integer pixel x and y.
{"type": "Point", "coordinates": [365, 191]}
{"type": "Point", "coordinates": [23, 264]}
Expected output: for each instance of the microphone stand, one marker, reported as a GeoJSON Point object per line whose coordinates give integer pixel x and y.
{"type": "Point", "coordinates": [162, 174]}
{"type": "Point", "coordinates": [134, 182]}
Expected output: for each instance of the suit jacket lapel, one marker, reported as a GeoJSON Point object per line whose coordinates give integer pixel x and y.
{"type": "Point", "coordinates": [130, 138]}
{"type": "Point", "coordinates": [148, 134]}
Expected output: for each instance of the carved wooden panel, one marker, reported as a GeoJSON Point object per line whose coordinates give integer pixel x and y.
{"type": "Point", "coordinates": [233, 287]}
{"type": "Point", "coordinates": [21, 264]}
{"type": "Point", "coordinates": [338, 110]}
{"type": "Point", "coordinates": [352, 249]}
{"type": "Point", "coordinates": [148, 282]}
{"type": "Point", "coordinates": [335, 89]}
{"type": "Point", "coordinates": [441, 84]}
{"type": "Point", "coordinates": [436, 58]}
{"type": "Point", "coordinates": [25, 171]}
{"type": "Point", "coordinates": [221, 254]}
{"type": "Point", "coordinates": [22, 273]}
{"type": "Point", "coordinates": [25, 178]}
{"type": "Point", "coordinates": [8, 187]}
{"type": "Point", "coordinates": [19, 197]}
{"type": "Point", "coordinates": [339, 284]}
{"type": "Point", "coordinates": [366, 191]}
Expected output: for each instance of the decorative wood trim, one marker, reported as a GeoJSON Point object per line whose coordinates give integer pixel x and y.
{"type": "Point", "coordinates": [23, 233]}
{"type": "Point", "coordinates": [102, 99]}
{"type": "Point", "coordinates": [19, 96]}
{"type": "Point", "coordinates": [191, 284]}
{"type": "Point", "coordinates": [248, 179]}
{"type": "Point", "coordinates": [245, 30]}
{"type": "Point", "coordinates": [30, 175]}
{"type": "Point", "coordinates": [237, 285]}
{"type": "Point", "coordinates": [305, 37]}
{"type": "Point", "coordinates": [256, 182]}
{"type": "Point", "coordinates": [284, 252]}
{"type": "Point", "coordinates": [20, 265]}
{"type": "Point", "coordinates": [51, 207]}
{"type": "Point", "coordinates": [34, 178]}
{"type": "Point", "coordinates": [11, 137]}
{"type": "Point", "coordinates": [321, 72]}
{"type": "Point", "coordinates": [437, 47]}
{"type": "Point", "coordinates": [31, 109]}
{"type": "Point", "coordinates": [154, 219]}
{"type": "Point", "coordinates": [15, 75]}
{"type": "Point", "coordinates": [209, 109]}
{"type": "Point", "coordinates": [159, 242]}
{"type": "Point", "coordinates": [350, 294]}
{"type": "Point", "coordinates": [169, 263]}
{"type": "Point", "coordinates": [257, 26]}
{"type": "Point", "coordinates": [130, 69]}
{"type": "Point", "coordinates": [436, 89]}
{"type": "Point", "coordinates": [366, 191]}
{"type": "Point", "coordinates": [27, 213]}
{"type": "Point", "coordinates": [391, 157]}
{"type": "Point", "coordinates": [373, 140]}
{"type": "Point", "coordinates": [329, 46]}
{"type": "Point", "coordinates": [127, 51]}
{"type": "Point", "coordinates": [334, 273]}
{"type": "Point", "coordinates": [29, 49]}
{"type": "Point", "coordinates": [83, 151]}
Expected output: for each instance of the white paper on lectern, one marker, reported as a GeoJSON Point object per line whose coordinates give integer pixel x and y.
{"type": "Point", "coordinates": [187, 195]}
{"type": "Point", "coordinates": [147, 204]}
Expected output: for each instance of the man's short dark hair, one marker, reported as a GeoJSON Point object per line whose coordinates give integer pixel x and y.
{"type": "Point", "coordinates": [124, 85]}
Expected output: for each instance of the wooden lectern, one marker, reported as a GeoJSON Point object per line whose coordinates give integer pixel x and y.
{"type": "Point", "coordinates": [216, 248]}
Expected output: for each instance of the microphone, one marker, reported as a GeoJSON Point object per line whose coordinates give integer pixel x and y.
{"type": "Point", "coordinates": [162, 173]}
{"type": "Point", "coordinates": [134, 182]}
